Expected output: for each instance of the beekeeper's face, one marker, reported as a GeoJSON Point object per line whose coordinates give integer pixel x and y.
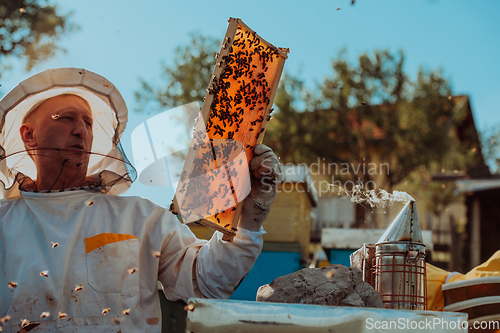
{"type": "Point", "coordinates": [64, 125]}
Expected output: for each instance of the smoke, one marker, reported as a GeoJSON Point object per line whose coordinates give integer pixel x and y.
{"type": "Point", "coordinates": [379, 200]}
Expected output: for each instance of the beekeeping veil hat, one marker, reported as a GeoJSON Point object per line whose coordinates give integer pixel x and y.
{"type": "Point", "coordinates": [107, 165]}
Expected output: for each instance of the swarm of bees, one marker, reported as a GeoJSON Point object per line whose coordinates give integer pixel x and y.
{"type": "Point", "coordinates": [62, 315]}
{"type": "Point", "coordinates": [236, 111]}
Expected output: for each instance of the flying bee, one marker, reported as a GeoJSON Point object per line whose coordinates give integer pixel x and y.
{"type": "Point", "coordinates": [45, 314]}
{"type": "Point", "coordinates": [189, 307]}
{"type": "Point", "coordinates": [24, 323]}
{"type": "Point", "coordinates": [330, 274]}
{"type": "Point", "coordinates": [78, 287]}
{"type": "Point", "coordinates": [105, 311]}
{"type": "Point", "coordinates": [44, 273]}
{"type": "Point", "coordinates": [61, 315]}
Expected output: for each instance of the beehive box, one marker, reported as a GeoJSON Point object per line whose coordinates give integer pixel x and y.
{"type": "Point", "coordinates": [235, 112]}
{"type": "Point", "coordinates": [289, 221]}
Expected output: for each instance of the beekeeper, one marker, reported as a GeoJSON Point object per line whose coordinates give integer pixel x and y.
{"type": "Point", "coordinates": [75, 256]}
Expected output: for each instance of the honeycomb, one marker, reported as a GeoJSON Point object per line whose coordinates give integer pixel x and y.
{"type": "Point", "coordinates": [236, 109]}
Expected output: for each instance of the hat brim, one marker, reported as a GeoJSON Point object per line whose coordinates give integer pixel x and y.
{"type": "Point", "coordinates": [108, 110]}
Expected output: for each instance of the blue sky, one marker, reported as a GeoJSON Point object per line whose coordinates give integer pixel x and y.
{"type": "Point", "coordinates": [124, 40]}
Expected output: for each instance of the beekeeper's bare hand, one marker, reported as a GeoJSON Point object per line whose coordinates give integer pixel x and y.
{"type": "Point", "coordinates": [265, 175]}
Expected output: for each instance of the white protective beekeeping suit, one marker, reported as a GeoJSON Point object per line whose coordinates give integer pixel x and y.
{"type": "Point", "coordinates": [85, 259]}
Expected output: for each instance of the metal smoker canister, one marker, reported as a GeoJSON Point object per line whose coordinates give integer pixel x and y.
{"type": "Point", "coordinates": [399, 263]}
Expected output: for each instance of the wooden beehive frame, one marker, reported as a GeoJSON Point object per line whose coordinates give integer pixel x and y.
{"type": "Point", "coordinates": [206, 111]}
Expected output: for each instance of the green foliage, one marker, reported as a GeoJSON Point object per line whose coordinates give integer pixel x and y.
{"type": "Point", "coordinates": [29, 30]}
{"type": "Point", "coordinates": [368, 113]}
{"type": "Point", "coordinates": [491, 148]}
{"type": "Point", "coordinates": [184, 82]}
{"type": "Point", "coordinates": [285, 130]}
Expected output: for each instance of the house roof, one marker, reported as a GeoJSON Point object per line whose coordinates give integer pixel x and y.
{"type": "Point", "coordinates": [371, 130]}
{"type": "Point", "coordinates": [467, 133]}
{"type": "Point", "coordinates": [476, 185]}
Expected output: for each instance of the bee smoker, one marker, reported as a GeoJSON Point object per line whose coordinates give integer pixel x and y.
{"type": "Point", "coordinates": [395, 265]}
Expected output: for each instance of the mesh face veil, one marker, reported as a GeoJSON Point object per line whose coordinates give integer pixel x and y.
{"type": "Point", "coordinates": [108, 169]}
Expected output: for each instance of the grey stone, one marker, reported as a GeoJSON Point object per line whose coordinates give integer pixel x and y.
{"type": "Point", "coordinates": [332, 285]}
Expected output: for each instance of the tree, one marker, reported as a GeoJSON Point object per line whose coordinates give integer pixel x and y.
{"type": "Point", "coordinates": [184, 82]}
{"type": "Point", "coordinates": [370, 113]}
{"type": "Point", "coordinates": [491, 149]}
{"type": "Point", "coordinates": [29, 30]}
{"type": "Point", "coordinates": [366, 113]}
{"type": "Point", "coordinates": [285, 132]}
